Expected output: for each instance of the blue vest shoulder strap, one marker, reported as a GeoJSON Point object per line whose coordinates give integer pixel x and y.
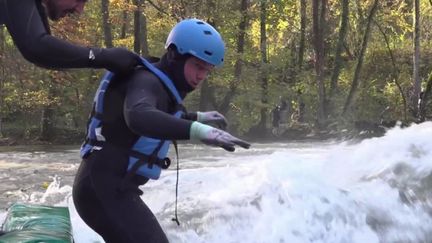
{"type": "Point", "coordinates": [164, 78]}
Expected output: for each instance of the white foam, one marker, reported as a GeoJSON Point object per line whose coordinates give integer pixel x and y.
{"type": "Point", "coordinates": [375, 191]}
{"type": "Point", "coordinates": [331, 193]}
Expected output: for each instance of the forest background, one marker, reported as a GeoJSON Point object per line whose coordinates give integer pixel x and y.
{"type": "Point", "coordinates": [293, 68]}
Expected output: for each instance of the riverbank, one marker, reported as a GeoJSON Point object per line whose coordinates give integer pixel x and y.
{"type": "Point", "coordinates": [292, 132]}
{"type": "Point", "coordinates": [307, 132]}
{"type": "Point", "coordinates": [58, 137]}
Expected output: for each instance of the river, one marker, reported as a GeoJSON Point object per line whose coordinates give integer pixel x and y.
{"type": "Point", "coordinates": [376, 190]}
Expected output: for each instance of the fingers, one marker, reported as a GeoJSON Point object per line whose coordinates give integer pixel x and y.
{"type": "Point", "coordinates": [222, 117]}
{"type": "Point", "coordinates": [229, 148]}
{"type": "Point", "coordinates": [218, 119]}
{"type": "Point", "coordinates": [221, 124]}
{"type": "Point", "coordinates": [230, 140]}
{"type": "Point", "coordinates": [242, 143]}
{"type": "Point", "coordinates": [217, 137]}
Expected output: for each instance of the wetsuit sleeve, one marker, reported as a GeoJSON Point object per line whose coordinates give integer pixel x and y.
{"type": "Point", "coordinates": [191, 116]}
{"type": "Point", "coordinates": [145, 110]}
{"type": "Point", "coordinates": [30, 33]}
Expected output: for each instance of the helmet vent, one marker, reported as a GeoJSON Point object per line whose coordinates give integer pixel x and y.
{"type": "Point", "coordinates": [207, 32]}
{"type": "Point", "coordinates": [208, 53]}
{"type": "Point", "coordinates": [200, 22]}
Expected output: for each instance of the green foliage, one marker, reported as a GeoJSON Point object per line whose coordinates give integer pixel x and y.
{"type": "Point", "coordinates": [27, 90]}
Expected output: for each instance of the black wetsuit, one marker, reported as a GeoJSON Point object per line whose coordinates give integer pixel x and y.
{"type": "Point", "coordinates": [134, 105]}
{"type": "Point", "coordinates": [27, 23]}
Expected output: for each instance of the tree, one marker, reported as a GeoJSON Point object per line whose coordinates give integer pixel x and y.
{"type": "Point", "coordinates": [144, 42]}
{"type": "Point", "coordinates": [125, 22]}
{"type": "Point", "coordinates": [396, 71]}
{"type": "Point", "coordinates": [340, 45]}
{"type": "Point", "coordinates": [356, 81]}
{"type": "Point", "coordinates": [106, 23]}
{"type": "Point", "coordinates": [303, 18]}
{"type": "Point", "coordinates": [224, 106]}
{"type": "Point", "coordinates": [48, 111]}
{"type": "Point", "coordinates": [137, 26]}
{"type": "Point", "coordinates": [425, 99]}
{"type": "Point", "coordinates": [2, 74]}
{"type": "Point", "coordinates": [319, 11]}
{"type": "Point", "coordinates": [416, 59]}
{"type": "Point", "coordinates": [264, 67]}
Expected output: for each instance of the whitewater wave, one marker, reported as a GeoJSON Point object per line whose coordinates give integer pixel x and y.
{"type": "Point", "coordinates": [378, 190]}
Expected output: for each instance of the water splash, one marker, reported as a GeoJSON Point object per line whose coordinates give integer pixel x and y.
{"type": "Point", "coordinates": [379, 190]}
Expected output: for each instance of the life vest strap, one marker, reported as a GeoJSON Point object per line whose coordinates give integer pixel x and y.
{"type": "Point", "coordinates": [175, 219]}
{"type": "Point", "coordinates": [94, 142]}
{"type": "Point", "coordinates": [181, 107]}
{"type": "Point", "coordinates": [142, 158]}
{"type": "Point", "coordinates": [98, 115]}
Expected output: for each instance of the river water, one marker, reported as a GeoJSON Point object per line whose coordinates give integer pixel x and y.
{"type": "Point", "coordinates": [378, 190]}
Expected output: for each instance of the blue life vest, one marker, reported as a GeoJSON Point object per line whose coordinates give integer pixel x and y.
{"type": "Point", "coordinates": [148, 155]}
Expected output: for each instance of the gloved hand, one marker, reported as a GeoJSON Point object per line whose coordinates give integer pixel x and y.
{"type": "Point", "coordinates": [212, 117]}
{"type": "Point", "coordinates": [216, 137]}
{"type": "Point", "coordinates": [116, 59]}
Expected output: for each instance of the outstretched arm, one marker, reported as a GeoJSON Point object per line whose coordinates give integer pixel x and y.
{"type": "Point", "coordinates": [145, 110]}
{"type": "Point", "coordinates": [28, 26]}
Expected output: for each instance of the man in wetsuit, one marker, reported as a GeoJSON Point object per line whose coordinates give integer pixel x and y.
{"type": "Point", "coordinates": [27, 23]}
{"type": "Point", "coordinates": [143, 107]}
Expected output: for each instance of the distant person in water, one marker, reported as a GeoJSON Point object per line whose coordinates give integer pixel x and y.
{"type": "Point", "coordinates": [135, 117]}
{"type": "Point", "coordinates": [285, 113]}
{"type": "Point", "coordinates": [276, 116]}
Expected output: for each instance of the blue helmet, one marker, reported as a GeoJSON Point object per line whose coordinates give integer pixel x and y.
{"type": "Point", "coordinates": [199, 39]}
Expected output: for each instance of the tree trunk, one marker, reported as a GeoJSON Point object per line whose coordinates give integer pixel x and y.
{"type": "Point", "coordinates": [264, 62]}
{"type": "Point", "coordinates": [47, 118]}
{"type": "Point", "coordinates": [106, 23]}
{"type": "Point", "coordinates": [396, 71]}
{"type": "Point", "coordinates": [125, 23]}
{"type": "Point", "coordinates": [224, 106]}
{"type": "Point", "coordinates": [356, 81]}
{"type": "Point", "coordinates": [360, 23]}
{"type": "Point", "coordinates": [2, 73]}
{"type": "Point", "coordinates": [47, 132]}
{"type": "Point", "coordinates": [144, 41]}
{"type": "Point", "coordinates": [416, 60]}
{"type": "Point", "coordinates": [137, 26]}
{"type": "Point", "coordinates": [425, 99]}
{"type": "Point", "coordinates": [303, 18]}
{"type": "Point", "coordinates": [205, 96]}
{"type": "Point", "coordinates": [339, 48]}
{"type": "Point", "coordinates": [318, 32]}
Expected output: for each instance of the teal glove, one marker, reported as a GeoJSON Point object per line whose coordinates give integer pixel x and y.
{"type": "Point", "coordinates": [212, 117]}
{"type": "Point", "coordinates": [215, 137]}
